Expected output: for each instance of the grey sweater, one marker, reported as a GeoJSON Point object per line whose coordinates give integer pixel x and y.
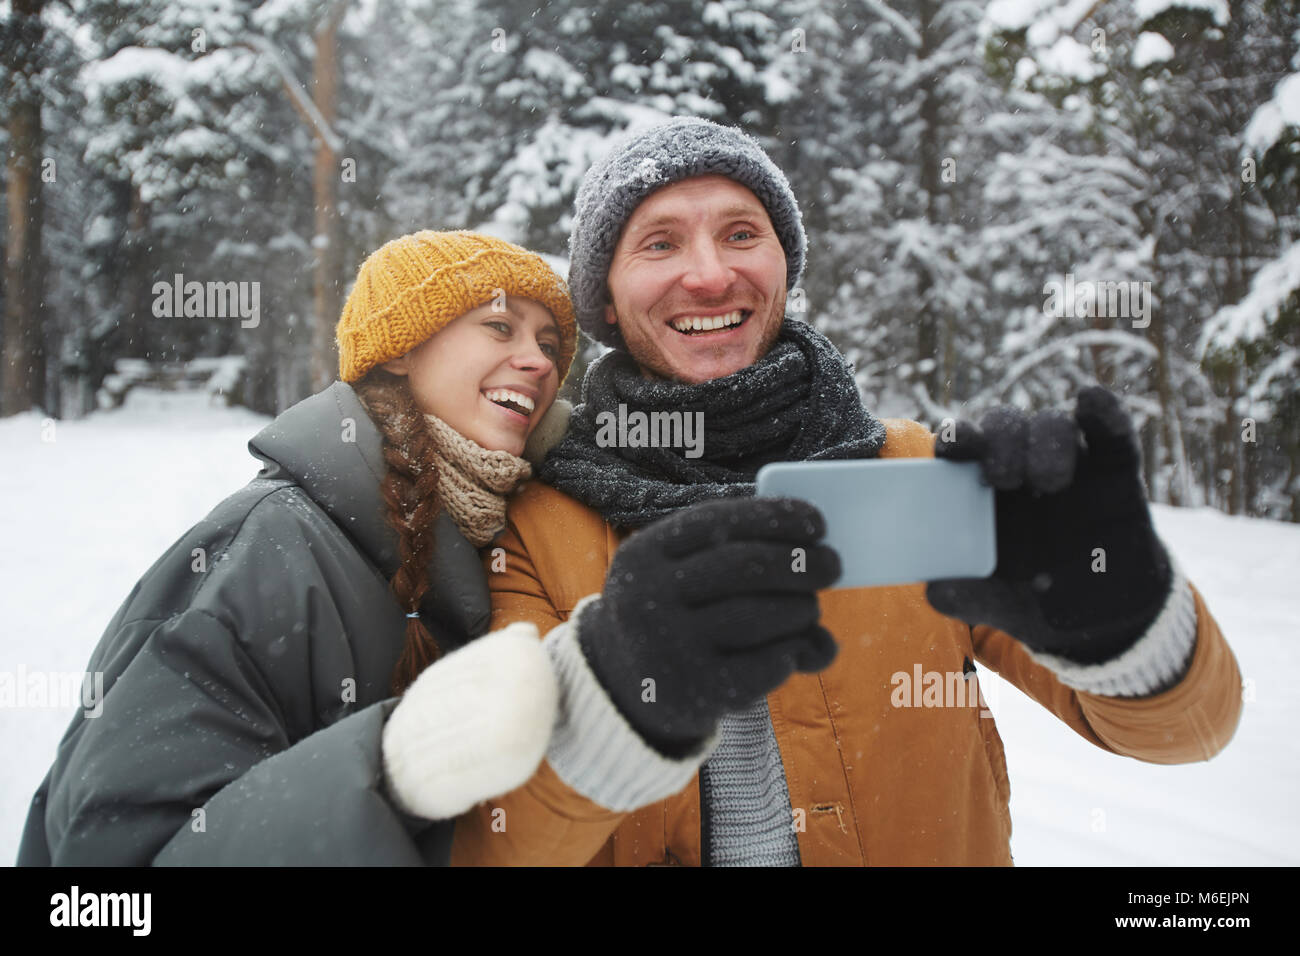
{"type": "Point", "coordinates": [749, 819]}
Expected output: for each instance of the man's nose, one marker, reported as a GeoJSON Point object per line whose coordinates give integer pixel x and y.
{"type": "Point", "coordinates": [706, 272]}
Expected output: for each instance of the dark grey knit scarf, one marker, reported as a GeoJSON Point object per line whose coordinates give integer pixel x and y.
{"type": "Point", "coordinates": [797, 403]}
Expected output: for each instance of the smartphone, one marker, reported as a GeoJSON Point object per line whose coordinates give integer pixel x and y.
{"type": "Point", "coordinates": [896, 521]}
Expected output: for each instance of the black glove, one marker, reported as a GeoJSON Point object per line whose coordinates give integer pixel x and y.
{"type": "Point", "coordinates": [1064, 488]}
{"type": "Point", "coordinates": [713, 604]}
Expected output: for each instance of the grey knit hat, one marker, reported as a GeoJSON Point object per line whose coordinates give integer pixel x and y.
{"type": "Point", "coordinates": [642, 162]}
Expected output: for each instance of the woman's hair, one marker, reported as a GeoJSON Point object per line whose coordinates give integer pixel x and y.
{"type": "Point", "coordinates": [410, 490]}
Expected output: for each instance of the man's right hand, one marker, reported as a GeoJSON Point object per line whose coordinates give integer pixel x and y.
{"type": "Point", "coordinates": [717, 605]}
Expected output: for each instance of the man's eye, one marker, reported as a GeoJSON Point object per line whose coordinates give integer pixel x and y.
{"type": "Point", "coordinates": [659, 242]}
{"type": "Point", "coordinates": [742, 232]}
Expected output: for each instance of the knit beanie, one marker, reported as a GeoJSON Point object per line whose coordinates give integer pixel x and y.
{"type": "Point", "coordinates": [642, 162]}
{"type": "Point", "coordinates": [411, 287]}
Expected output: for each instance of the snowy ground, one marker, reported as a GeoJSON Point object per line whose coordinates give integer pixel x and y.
{"type": "Point", "coordinates": [82, 516]}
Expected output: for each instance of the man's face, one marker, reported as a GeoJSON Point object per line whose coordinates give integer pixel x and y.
{"type": "Point", "coordinates": [702, 248]}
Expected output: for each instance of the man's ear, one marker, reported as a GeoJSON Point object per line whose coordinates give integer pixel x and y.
{"type": "Point", "coordinates": [610, 317]}
{"type": "Point", "coordinates": [398, 366]}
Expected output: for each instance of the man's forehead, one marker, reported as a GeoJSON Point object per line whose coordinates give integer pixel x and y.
{"type": "Point", "coordinates": [687, 198]}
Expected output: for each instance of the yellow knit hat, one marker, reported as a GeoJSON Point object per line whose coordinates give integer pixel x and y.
{"type": "Point", "coordinates": [412, 286]}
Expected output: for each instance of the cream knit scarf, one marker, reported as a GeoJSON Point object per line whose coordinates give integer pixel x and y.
{"type": "Point", "coordinates": [473, 482]}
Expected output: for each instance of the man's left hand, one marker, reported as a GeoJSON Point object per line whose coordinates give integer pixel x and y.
{"type": "Point", "coordinates": [1080, 573]}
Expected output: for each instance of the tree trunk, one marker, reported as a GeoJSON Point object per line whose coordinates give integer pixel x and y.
{"type": "Point", "coordinates": [23, 365]}
{"type": "Point", "coordinates": [1234, 288]}
{"type": "Point", "coordinates": [137, 281]}
{"type": "Point", "coordinates": [327, 297]}
{"type": "Point", "coordinates": [930, 323]}
{"type": "Point", "coordinates": [1170, 445]}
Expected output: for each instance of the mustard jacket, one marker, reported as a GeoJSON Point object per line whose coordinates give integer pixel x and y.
{"type": "Point", "coordinates": [869, 782]}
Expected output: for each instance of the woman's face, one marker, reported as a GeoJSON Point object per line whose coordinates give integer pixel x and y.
{"type": "Point", "coordinates": [490, 374]}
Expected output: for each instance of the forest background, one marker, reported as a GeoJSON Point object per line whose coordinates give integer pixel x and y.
{"type": "Point", "coordinates": [970, 175]}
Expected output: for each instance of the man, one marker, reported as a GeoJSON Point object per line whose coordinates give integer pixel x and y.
{"type": "Point", "coordinates": [691, 625]}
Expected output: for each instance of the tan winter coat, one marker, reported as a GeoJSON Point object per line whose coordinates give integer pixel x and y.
{"type": "Point", "coordinates": [869, 782]}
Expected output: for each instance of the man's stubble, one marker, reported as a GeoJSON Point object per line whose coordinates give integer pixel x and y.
{"type": "Point", "coordinates": [652, 365]}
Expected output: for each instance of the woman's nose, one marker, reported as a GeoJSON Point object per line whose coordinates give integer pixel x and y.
{"type": "Point", "coordinates": [531, 358]}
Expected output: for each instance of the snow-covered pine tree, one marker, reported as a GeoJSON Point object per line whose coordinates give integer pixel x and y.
{"type": "Point", "coordinates": [178, 111]}
{"type": "Point", "coordinates": [917, 133]}
{"type": "Point", "coordinates": [1166, 89]}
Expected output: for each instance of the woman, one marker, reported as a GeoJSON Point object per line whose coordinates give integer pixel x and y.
{"type": "Point", "coordinates": [251, 711]}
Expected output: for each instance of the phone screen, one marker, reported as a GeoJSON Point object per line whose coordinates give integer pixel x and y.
{"type": "Point", "coordinates": [896, 521]}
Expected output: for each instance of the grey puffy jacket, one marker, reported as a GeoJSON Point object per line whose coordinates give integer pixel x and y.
{"type": "Point", "coordinates": [247, 675]}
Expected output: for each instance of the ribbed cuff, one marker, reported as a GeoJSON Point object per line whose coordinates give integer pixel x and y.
{"type": "Point", "coordinates": [593, 748]}
{"type": "Point", "coordinates": [1158, 660]}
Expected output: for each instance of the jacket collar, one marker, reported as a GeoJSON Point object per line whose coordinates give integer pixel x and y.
{"type": "Point", "coordinates": [329, 446]}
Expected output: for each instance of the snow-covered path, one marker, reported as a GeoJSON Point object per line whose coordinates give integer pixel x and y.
{"type": "Point", "coordinates": [84, 515]}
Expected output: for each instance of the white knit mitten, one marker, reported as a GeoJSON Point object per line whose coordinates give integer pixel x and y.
{"type": "Point", "coordinates": [472, 726]}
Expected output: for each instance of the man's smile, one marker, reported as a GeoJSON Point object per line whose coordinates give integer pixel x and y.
{"type": "Point", "coordinates": [710, 325]}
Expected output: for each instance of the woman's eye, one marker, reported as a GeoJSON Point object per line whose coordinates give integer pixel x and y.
{"type": "Point", "coordinates": [551, 351]}
{"type": "Point", "coordinates": [499, 326]}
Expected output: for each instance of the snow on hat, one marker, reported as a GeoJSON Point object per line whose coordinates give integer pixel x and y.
{"type": "Point", "coordinates": [642, 162]}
